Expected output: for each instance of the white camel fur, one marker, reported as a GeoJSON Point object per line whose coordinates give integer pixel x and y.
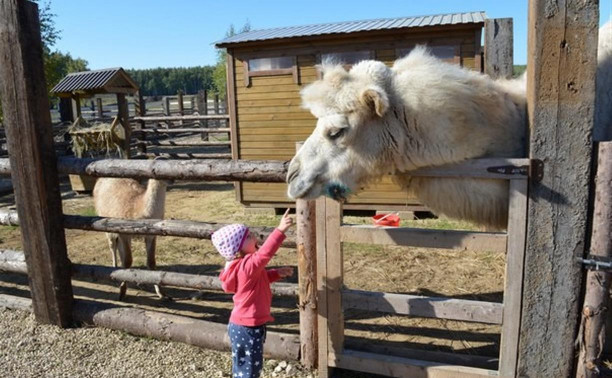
{"type": "Point", "coordinates": [422, 112]}
{"type": "Point", "coordinates": [126, 198]}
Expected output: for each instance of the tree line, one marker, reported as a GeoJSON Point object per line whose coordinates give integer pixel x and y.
{"type": "Point", "coordinates": [165, 81]}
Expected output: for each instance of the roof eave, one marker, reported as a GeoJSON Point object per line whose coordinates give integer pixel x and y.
{"type": "Point", "coordinates": [471, 25]}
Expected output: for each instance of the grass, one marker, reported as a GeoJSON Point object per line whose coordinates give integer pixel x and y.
{"type": "Point", "coordinates": [89, 211]}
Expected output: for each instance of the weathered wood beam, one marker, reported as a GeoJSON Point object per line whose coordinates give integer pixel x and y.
{"type": "Point", "coordinates": [180, 118]}
{"type": "Point", "coordinates": [307, 280]}
{"type": "Point", "coordinates": [425, 238]}
{"type": "Point", "coordinates": [13, 261]}
{"type": "Point", "coordinates": [159, 227]}
{"type": "Point", "coordinates": [595, 310]}
{"type": "Point", "coordinates": [498, 48]}
{"type": "Point", "coordinates": [15, 303]}
{"type": "Point", "coordinates": [185, 143]}
{"type": "Point", "coordinates": [423, 306]}
{"type": "Point", "coordinates": [182, 130]}
{"type": "Point", "coordinates": [162, 326]}
{"type": "Point", "coordinates": [208, 170]}
{"type": "Point", "coordinates": [562, 60]}
{"type": "Point", "coordinates": [27, 123]}
{"type": "Point", "coordinates": [186, 155]}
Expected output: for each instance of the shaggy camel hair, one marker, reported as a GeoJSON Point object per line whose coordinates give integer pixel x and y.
{"type": "Point", "coordinates": [422, 112]}
{"type": "Point", "coordinates": [126, 198]}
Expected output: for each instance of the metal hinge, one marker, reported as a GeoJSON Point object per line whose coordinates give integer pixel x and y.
{"type": "Point", "coordinates": [535, 170]}
{"type": "Point", "coordinates": [596, 264]}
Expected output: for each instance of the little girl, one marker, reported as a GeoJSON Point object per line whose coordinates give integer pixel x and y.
{"type": "Point", "coordinates": [245, 275]}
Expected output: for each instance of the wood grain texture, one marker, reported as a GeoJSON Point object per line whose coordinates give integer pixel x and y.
{"type": "Point", "coordinates": [561, 95]}
{"type": "Point", "coordinates": [34, 174]}
{"type": "Point", "coordinates": [498, 48]}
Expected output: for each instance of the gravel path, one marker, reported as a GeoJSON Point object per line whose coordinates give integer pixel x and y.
{"type": "Point", "coordinates": [28, 349]}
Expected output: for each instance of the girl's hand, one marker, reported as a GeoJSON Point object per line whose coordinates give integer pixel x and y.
{"type": "Point", "coordinates": [285, 271]}
{"type": "Point", "coordinates": [285, 222]}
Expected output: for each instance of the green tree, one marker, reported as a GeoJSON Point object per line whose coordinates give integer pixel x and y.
{"type": "Point", "coordinates": [56, 64]}
{"type": "Point", "coordinates": [219, 73]}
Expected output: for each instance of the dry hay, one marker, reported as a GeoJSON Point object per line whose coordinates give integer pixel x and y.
{"type": "Point", "coordinates": [97, 138]}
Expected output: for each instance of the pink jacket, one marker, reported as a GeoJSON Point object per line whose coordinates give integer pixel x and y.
{"type": "Point", "coordinates": [250, 281]}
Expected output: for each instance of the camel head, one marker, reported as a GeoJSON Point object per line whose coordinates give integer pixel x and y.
{"type": "Point", "coordinates": [345, 149]}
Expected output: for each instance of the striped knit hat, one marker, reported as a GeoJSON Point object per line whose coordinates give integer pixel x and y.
{"type": "Point", "coordinates": [229, 240]}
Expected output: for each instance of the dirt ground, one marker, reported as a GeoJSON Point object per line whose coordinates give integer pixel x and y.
{"type": "Point", "coordinates": [465, 274]}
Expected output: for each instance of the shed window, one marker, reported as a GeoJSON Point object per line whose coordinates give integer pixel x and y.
{"type": "Point", "coordinates": [270, 66]}
{"type": "Point", "coordinates": [448, 53]}
{"type": "Point", "coordinates": [346, 57]}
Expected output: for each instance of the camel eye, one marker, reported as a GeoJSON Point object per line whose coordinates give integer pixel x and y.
{"type": "Point", "coordinates": [336, 133]}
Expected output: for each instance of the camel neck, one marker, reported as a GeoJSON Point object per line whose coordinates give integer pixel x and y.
{"type": "Point", "coordinates": [155, 197]}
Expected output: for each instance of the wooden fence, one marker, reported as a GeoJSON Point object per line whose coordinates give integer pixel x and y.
{"type": "Point", "coordinates": [561, 87]}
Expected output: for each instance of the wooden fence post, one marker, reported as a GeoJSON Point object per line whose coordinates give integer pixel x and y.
{"type": "Point", "coordinates": [34, 169]}
{"type": "Point", "coordinates": [65, 110]}
{"type": "Point", "coordinates": [179, 99]}
{"type": "Point", "coordinates": [216, 105]}
{"type": "Point", "coordinates": [181, 107]}
{"type": "Point", "coordinates": [76, 106]}
{"type": "Point", "coordinates": [597, 297]}
{"type": "Point", "coordinates": [498, 48]}
{"type": "Point", "coordinates": [202, 108]}
{"type": "Point", "coordinates": [166, 105]}
{"type": "Point", "coordinates": [124, 117]}
{"type": "Point", "coordinates": [329, 283]}
{"type": "Point", "coordinates": [99, 107]}
{"type": "Point", "coordinates": [307, 279]}
{"type": "Point", "coordinates": [141, 111]}
{"type": "Point", "coordinates": [561, 66]}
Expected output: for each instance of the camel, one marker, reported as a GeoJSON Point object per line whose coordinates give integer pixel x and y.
{"type": "Point", "coordinates": [127, 198]}
{"type": "Point", "coordinates": [421, 112]}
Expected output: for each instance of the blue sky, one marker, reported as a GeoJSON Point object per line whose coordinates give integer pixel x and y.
{"type": "Point", "coordinates": [180, 33]}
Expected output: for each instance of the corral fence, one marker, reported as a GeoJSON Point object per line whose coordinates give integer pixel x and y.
{"type": "Point", "coordinates": [538, 328]}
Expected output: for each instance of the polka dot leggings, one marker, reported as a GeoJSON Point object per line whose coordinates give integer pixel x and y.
{"type": "Point", "coordinates": [247, 350]}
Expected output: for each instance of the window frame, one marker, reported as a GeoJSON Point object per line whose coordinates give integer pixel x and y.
{"type": "Point", "coordinates": [371, 52]}
{"type": "Point", "coordinates": [248, 74]}
{"type": "Point", "coordinates": [456, 44]}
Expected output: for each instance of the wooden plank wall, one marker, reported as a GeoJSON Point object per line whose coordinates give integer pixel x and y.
{"type": "Point", "coordinates": [270, 120]}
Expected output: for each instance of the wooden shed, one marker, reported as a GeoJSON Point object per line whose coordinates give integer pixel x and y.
{"type": "Point", "coordinates": [266, 69]}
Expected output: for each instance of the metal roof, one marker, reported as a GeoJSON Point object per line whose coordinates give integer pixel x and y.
{"type": "Point", "coordinates": [110, 80]}
{"type": "Point", "coordinates": [355, 26]}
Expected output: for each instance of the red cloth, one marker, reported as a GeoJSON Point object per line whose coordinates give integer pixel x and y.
{"type": "Point", "coordinates": [250, 281]}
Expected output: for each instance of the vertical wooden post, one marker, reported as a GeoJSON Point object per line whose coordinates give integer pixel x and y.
{"type": "Point", "coordinates": [166, 105]}
{"type": "Point", "coordinates": [34, 168]}
{"type": "Point", "coordinates": [329, 283]}
{"type": "Point", "coordinates": [65, 110]}
{"type": "Point", "coordinates": [322, 320]}
{"type": "Point", "coordinates": [202, 108]}
{"type": "Point", "coordinates": [513, 278]}
{"type": "Point", "coordinates": [233, 114]}
{"type": "Point", "coordinates": [141, 110]}
{"type": "Point", "coordinates": [76, 106]}
{"type": "Point", "coordinates": [498, 46]}
{"type": "Point", "coordinates": [181, 107]}
{"type": "Point", "coordinates": [99, 107]}
{"type": "Point", "coordinates": [124, 117]}
{"type": "Point", "coordinates": [179, 99]}
{"type": "Point", "coordinates": [597, 297]}
{"type": "Point", "coordinates": [307, 279]}
{"type": "Point", "coordinates": [216, 104]}
{"type": "Point", "coordinates": [561, 69]}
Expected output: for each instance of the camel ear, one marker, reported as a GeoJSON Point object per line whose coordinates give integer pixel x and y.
{"type": "Point", "coordinates": [375, 100]}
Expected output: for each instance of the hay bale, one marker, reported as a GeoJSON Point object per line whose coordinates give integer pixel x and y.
{"type": "Point", "coordinates": [96, 138]}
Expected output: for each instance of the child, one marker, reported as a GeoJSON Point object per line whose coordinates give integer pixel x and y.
{"type": "Point", "coordinates": [245, 275]}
